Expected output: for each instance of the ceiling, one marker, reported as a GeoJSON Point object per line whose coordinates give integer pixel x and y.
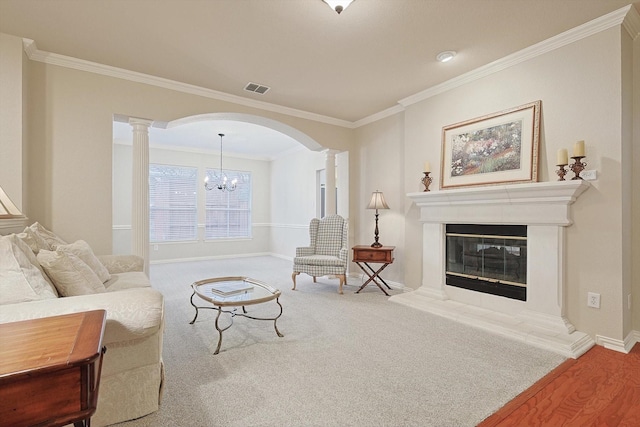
{"type": "Point", "coordinates": [347, 67]}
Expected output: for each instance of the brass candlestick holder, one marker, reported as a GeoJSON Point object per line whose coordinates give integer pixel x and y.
{"type": "Point", "coordinates": [426, 181]}
{"type": "Point", "coordinates": [577, 166]}
{"type": "Point", "coordinates": [561, 172]}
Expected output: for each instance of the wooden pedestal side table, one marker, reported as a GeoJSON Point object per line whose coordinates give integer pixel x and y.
{"type": "Point", "coordinates": [50, 369]}
{"type": "Point", "coordinates": [363, 255]}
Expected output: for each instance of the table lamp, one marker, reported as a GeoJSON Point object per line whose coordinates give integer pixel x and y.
{"type": "Point", "coordinates": [377, 202]}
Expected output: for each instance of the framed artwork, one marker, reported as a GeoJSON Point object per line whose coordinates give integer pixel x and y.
{"type": "Point", "coordinates": [500, 148]}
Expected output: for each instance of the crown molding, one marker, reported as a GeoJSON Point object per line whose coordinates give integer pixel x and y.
{"type": "Point", "coordinates": [632, 22]}
{"type": "Point", "coordinates": [379, 116]}
{"type": "Point", "coordinates": [595, 26]}
{"type": "Point", "coordinates": [34, 54]}
{"type": "Point", "coordinates": [627, 16]}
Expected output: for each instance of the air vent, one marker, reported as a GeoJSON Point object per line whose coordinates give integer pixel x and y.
{"type": "Point", "coordinates": [254, 87]}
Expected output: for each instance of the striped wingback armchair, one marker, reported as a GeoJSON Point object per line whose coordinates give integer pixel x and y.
{"type": "Point", "coordinates": [327, 251]}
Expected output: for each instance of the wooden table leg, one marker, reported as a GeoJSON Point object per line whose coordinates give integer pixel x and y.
{"type": "Point", "coordinates": [372, 277]}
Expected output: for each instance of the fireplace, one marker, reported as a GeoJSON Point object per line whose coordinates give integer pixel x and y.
{"type": "Point", "coordinates": [532, 260]}
{"type": "Point", "coordinates": [487, 258]}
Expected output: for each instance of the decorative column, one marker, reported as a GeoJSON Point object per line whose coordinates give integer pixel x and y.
{"type": "Point", "coordinates": [140, 190]}
{"type": "Point", "coordinates": [330, 186]}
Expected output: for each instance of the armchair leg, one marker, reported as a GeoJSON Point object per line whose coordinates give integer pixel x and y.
{"type": "Point", "coordinates": [343, 280]}
{"type": "Point", "coordinates": [293, 277]}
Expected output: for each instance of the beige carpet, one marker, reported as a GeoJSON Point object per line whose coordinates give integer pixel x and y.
{"type": "Point", "coordinates": [345, 360]}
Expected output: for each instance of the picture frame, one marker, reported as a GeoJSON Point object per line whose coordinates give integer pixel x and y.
{"type": "Point", "coordinates": [499, 148]}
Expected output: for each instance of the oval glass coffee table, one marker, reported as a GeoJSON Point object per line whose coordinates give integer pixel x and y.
{"type": "Point", "coordinates": [227, 294]}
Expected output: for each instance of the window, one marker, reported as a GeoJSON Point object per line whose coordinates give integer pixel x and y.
{"type": "Point", "coordinates": [173, 210]}
{"type": "Point", "coordinates": [228, 214]}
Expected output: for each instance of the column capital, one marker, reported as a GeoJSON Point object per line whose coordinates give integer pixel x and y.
{"type": "Point", "coordinates": [331, 152]}
{"type": "Point", "coordinates": [138, 122]}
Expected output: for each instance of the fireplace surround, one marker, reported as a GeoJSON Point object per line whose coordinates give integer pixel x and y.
{"type": "Point", "coordinates": [544, 208]}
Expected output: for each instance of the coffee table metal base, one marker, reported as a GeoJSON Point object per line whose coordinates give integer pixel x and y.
{"type": "Point", "coordinates": [220, 307]}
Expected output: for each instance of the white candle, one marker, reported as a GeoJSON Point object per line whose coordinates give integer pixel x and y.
{"type": "Point", "coordinates": [563, 157]}
{"type": "Point", "coordinates": [427, 167]}
{"type": "Point", "coordinates": [578, 149]}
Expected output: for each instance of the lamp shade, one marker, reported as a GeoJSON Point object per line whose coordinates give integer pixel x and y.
{"type": "Point", "coordinates": [7, 209]}
{"type": "Point", "coordinates": [377, 201]}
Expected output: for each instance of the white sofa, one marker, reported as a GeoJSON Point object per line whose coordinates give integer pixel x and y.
{"type": "Point", "coordinates": [132, 371]}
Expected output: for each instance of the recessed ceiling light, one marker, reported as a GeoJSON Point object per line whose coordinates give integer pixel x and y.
{"type": "Point", "coordinates": [446, 56]}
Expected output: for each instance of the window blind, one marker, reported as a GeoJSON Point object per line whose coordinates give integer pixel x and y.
{"type": "Point", "coordinates": [228, 214]}
{"type": "Point", "coordinates": [173, 210]}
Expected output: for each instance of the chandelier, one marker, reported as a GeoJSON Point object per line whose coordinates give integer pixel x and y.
{"type": "Point", "coordinates": [338, 5]}
{"type": "Point", "coordinates": [222, 185]}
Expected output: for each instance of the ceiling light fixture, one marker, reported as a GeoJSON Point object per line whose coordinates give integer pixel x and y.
{"type": "Point", "coordinates": [446, 56]}
{"type": "Point", "coordinates": [338, 5]}
{"type": "Point", "coordinates": [222, 184]}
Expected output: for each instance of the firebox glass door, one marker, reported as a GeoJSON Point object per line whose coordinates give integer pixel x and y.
{"type": "Point", "coordinates": [491, 258]}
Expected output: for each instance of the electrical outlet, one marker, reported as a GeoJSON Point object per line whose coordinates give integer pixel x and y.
{"type": "Point", "coordinates": [593, 300]}
{"type": "Point", "coordinates": [589, 175]}
{"type": "Point", "coordinates": [155, 247]}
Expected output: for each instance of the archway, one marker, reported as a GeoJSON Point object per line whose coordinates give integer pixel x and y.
{"type": "Point", "coordinates": [282, 224]}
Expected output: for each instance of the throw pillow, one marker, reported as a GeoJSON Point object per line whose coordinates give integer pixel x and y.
{"type": "Point", "coordinates": [47, 290]}
{"type": "Point", "coordinates": [33, 240]}
{"type": "Point", "coordinates": [70, 274]}
{"type": "Point", "coordinates": [20, 280]}
{"type": "Point", "coordinates": [48, 236]}
{"type": "Point", "coordinates": [83, 251]}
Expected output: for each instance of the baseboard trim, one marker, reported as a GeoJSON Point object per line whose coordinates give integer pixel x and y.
{"type": "Point", "coordinates": [622, 346]}
{"type": "Point", "coordinates": [211, 257]}
{"type": "Point", "coordinates": [362, 278]}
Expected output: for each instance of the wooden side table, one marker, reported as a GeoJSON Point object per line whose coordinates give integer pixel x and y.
{"type": "Point", "coordinates": [50, 369]}
{"type": "Point", "coordinates": [363, 255]}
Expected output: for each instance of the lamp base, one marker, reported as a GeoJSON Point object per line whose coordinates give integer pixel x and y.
{"type": "Point", "coordinates": [376, 245]}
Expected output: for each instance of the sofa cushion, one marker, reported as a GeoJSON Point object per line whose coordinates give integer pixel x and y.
{"type": "Point", "coordinates": [69, 273]}
{"type": "Point", "coordinates": [127, 280]}
{"type": "Point", "coordinates": [83, 251]}
{"type": "Point", "coordinates": [122, 263]}
{"type": "Point", "coordinates": [324, 260]}
{"type": "Point", "coordinates": [20, 279]}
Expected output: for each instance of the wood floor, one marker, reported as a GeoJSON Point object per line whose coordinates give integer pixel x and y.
{"type": "Point", "coordinates": [601, 388]}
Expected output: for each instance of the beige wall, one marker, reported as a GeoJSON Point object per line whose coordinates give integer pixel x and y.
{"type": "Point", "coordinates": [581, 91]}
{"type": "Point", "coordinates": [292, 189]}
{"type": "Point", "coordinates": [11, 131]}
{"type": "Point", "coordinates": [71, 142]}
{"type": "Point", "coordinates": [378, 165]}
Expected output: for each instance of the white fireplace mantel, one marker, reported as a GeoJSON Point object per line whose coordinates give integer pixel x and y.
{"type": "Point", "coordinates": [532, 204]}
{"type": "Point", "coordinates": [545, 209]}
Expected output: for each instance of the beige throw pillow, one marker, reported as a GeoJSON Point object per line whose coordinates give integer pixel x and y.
{"type": "Point", "coordinates": [20, 280]}
{"type": "Point", "coordinates": [83, 251]}
{"type": "Point", "coordinates": [70, 274]}
{"type": "Point", "coordinates": [33, 240]}
{"type": "Point", "coordinates": [48, 290]}
{"type": "Point", "coordinates": [49, 237]}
